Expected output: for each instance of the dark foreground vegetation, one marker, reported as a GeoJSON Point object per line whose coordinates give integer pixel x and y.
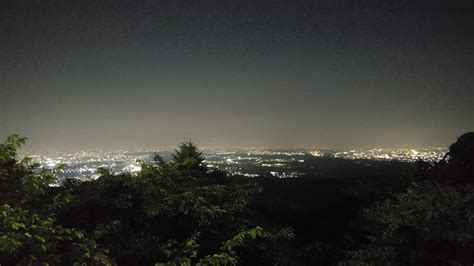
{"type": "Point", "coordinates": [181, 213]}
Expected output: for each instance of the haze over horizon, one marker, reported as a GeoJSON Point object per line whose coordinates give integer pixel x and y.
{"type": "Point", "coordinates": [127, 74]}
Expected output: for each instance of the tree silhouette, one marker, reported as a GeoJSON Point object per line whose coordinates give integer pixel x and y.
{"type": "Point", "coordinates": [189, 160]}
{"type": "Point", "coordinates": [461, 152]}
{"type": "Point", "coordinates": [457, 165]}
{"type": "Point", "coordinates": [431, 222]}
{"type": "Point", "coordinates": [29, 231]}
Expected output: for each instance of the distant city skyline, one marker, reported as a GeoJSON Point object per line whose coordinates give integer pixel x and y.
{"type": "Point", "coordinates": [245, 162]}
{"type": "Point", "coordinates": [118, 74]}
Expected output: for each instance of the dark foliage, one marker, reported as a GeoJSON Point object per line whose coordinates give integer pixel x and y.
{"type": "Point", "coordinates": [180, 213]}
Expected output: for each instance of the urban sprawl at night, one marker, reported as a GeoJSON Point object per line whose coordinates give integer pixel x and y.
{"type": "Point", "coordinates": [251, 162]}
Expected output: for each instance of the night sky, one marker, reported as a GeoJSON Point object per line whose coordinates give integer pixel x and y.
{"type": "Point", "coordinates": [135, 74]}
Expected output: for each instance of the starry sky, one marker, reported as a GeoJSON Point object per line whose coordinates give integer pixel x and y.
{"type": "Point", "coordinates": [235, 73]}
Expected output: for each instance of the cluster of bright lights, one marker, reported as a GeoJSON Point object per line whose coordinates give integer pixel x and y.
{"type": "Point", "coordinates": [405, 154]}
{"type": "Point", "coordinates": [250, 163]}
